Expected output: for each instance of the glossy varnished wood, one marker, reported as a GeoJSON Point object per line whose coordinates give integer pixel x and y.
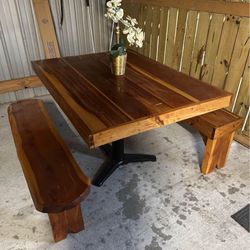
{"type": "Point", "coordinates": [217, 129]}
{"type": "Point", "coordinates": [216, 124]}
{"type": "Point", "coordinates": [55, 181]}
{"type": "Point", "coordinates": [105, 108]}
{"type": "Point", "coordinates": [68, 221]}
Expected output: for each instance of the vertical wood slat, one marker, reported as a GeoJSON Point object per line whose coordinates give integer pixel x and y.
{"type": "Point", "coordinates": [239, 57]}
{"type": "Point", "coordinates": [189, 41]}
{"type": "Point", "coordinates": [200, 45]}
{"type": "Point", "coordinates": [225, 50]}
{"type": "Point", "coordinates": [141, 22]}
{"type": "Point", "coordinates": [162, 34]}
{"type": "Point", "coordinates": [212, 46]}
{"type": "Point", "coordinates": [46, 27]}
{"type": "Point", "coordinates": [148, 30]}
{"type": "Point", "coordinates": [171, 36]}
{"type": "Point", "coordinates": [243, 100]}
{"type": "Point", "coordinates": [155, 32]}
{"type": "Point", "coordinates": [242, 104]}
{"type": "Point", "coordinates": [180, 32]}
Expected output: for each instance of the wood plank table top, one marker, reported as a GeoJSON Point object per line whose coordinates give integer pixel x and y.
{"type": "Point", "coordinates": [105, 108]}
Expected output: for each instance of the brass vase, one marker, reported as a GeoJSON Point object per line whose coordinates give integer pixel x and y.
{"type": "Point", "coordinates": [118, 65]}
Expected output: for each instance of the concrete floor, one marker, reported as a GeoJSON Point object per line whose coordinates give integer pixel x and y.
{"type": "Point", "coordinates": [152, 206]}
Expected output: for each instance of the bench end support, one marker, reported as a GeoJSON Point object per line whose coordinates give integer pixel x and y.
{"type": "Point", "coordinates": [216, 153]}
{"type": "Point", "coordinates": [68, 221]}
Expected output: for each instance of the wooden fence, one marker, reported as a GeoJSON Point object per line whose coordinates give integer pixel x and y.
{"type": "Point", "coordinates": [210, 46]}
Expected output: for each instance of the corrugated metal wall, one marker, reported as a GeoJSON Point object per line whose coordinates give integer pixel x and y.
{"type": "Point", "coordinates": [83, 31]}
{"type": "Point", "coordinates": [19, 39]}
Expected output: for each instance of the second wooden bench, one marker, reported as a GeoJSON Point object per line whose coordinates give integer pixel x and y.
{"type": "Point", "coordinates": [217, 129]}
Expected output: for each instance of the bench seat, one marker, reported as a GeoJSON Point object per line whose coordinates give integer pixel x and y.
{"type": "Point", "coordinates": [217, 129]}
{"type": "Point", "coordinates": [56, 183]}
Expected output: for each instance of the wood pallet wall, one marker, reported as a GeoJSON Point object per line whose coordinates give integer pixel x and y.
{"type": "Point", "coordinates": [210, 46]}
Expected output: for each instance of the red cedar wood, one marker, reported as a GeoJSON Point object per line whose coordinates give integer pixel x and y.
{"type": "Point", "coordinates": [100, 124]}
{"type": "Point", "coordinates": [49, 167]}
{"type": "Point", "coordinates": [218, 129]}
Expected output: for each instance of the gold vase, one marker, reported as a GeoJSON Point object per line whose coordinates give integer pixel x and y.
{"type": "Point", "coordinates": [118, 65]}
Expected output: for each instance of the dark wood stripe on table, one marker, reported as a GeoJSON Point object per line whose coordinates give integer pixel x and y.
{"type": "Point", "coordinates": [68, 106]}
{"type": "Point", "coordinates": [163, 93]}
{"type": "Point", "coordinates": [131, 98]}
{"type": "Point", "coordinates": [100, 111]}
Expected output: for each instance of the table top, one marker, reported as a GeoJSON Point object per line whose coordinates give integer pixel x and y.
{"type": "Point", "coordinates": [105, 108]}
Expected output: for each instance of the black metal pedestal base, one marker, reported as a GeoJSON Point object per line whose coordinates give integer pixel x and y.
{"type": "Point", "coordinates": [116, 158]}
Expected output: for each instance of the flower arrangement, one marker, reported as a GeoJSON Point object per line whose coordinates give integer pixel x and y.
{"type": "Point", "coordinates": [135, 35]}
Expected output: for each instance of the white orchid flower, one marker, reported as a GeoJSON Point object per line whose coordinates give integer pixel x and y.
{"type": "Point", "coordinates": [132, 20]}
{"type": "Point", "coordinates": [140, 36]}
{"type": "Point", "coordinates": [135, 35]}
{"type": "Point", "coordinates": [120, 14]}
{"type": "Point", "coordinates": [114, 3]}
{"type": "Point", "coordinates": [127, 30]}
{"type": "Point", "coordinates": [116, 16]}
{"type": "Point", "coordinates": [131, 38]}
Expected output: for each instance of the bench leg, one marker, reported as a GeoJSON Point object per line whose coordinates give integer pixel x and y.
{"type": "Point", "coordinates": [226, 142]}
{"type": "Point", "coordinates": [216, 153]}
{"type": "Point", "coordinates": [68, 221]}
{"type": "Point", "coordinates": [211, 156]}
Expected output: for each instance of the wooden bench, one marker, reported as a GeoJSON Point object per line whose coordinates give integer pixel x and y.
{"type": "Point", "coordinates": [56, 183]}
{"type": "Point", "coordinates": [217, 129]}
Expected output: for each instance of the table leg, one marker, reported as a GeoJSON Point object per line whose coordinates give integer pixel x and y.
{"type": "Point", "coordinates": [116, 158]}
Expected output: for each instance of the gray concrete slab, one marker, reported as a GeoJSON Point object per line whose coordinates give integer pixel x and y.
{"type": "Point", "coordinates": [164, 205]}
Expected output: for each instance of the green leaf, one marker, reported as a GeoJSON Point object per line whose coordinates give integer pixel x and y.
{"type": "Point", "coordinates": [118, 50]}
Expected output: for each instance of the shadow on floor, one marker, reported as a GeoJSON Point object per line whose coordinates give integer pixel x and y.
{"type": "Point", "coordinates": [76, 144]}
{"type": "Point", "coordinates": [198, 145]}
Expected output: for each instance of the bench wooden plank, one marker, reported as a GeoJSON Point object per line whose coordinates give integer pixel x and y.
{"type": "Point", "coordinates": [217, 123]}
{"type": "Point", "coordinates": [56, 183]}
{"type": "Point", "coordinates": [217, 129]}
{"type": "Point", "coordinates": [55, 180]}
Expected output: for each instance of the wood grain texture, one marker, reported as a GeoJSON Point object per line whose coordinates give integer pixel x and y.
{"type": "Point", "coordinates": [222, 7]}
{"type": "Point", "coordinates": [19, 84]}
{"type": "Point", "coordinates": [105, 108]}
{"type": "Point", "coordinates": [216, 124]}
{"type": "Point", "coordinates": [179, 40]}
{"type": "Point", "coordinates": [46, 28]}
{"type": "Point", "coordinates": [239, 56]}
{"type": "Point", "coordinates": [212, 47]}
{"type": "Point", "coordinates": [189, 41]}
{"type": "Point", "coordinates": [68, 221]}
{"type": "Point", "coordinates": [155, 32]}
{"type": "Point", "coordinates": [242, 139]}
{"type": "Point", "coordinates": [216, 153]}
{"type": "Point", "coordinates": [162, 34]}
{"type": "Point", "coordinates": [225, 50]}
{"type": "Point", "coordinates": [173, 13]}
{"type": "Point", "coordinates": [55, 180]}
{"type": "Point", "coordinates": [148, 29]}
{"type": "Point", "coordinates": [217, 129]}
{"type": "Point", "coordinates": [211, 156]}
{"type": "Point", "coordinates": [200, 45]}
{"type": "Point", "coordinates": [225, 146]}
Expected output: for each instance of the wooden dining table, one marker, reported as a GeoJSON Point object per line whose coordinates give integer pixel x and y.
{"type": "Point", "coordinates": [106, 109]}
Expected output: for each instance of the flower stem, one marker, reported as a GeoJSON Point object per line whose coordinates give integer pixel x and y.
{"type": "Point", "coordinates": [118, 34]}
